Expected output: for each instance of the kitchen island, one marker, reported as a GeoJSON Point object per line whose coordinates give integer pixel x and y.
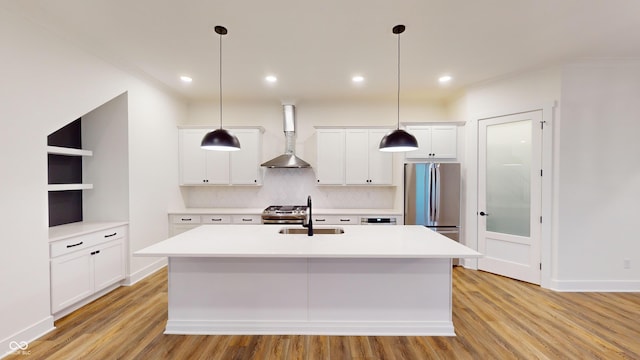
{"type": "Point", "coordinates": [370, 280]}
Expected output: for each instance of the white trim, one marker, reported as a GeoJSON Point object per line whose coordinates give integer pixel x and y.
{"type": "Point", "coordinates": [216, 126]}
{"type": "Point", "coordinates": [548, 116]}
{"type": "Point", "coordinates": [27, 335]}
{"type": "Point", "coordinates": [595, 285]}
{"type": "Point", "coordinates": [334, 328]}
{"type": "Point", "coordinates": [148, 270]}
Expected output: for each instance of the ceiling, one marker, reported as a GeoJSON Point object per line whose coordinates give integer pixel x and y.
{"type": "Point", "coordinates": [315, 47]}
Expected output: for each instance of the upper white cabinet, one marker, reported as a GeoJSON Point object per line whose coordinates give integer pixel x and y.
{"type": "Point", "coordinates": [330, 157]}
{"type": "Point", "coordinates": [205, 167]}
{"type": "Point", "coordinates": [245, 164]}
{"type": "Point", "coordinates": [364, 163]}
{"type": "Point", "coordinates": [350, 156]}
{"type": "Point", "coordinates": [434, 141]}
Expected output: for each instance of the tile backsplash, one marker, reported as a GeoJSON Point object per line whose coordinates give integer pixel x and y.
{"type": "Point", "coordinates": [290, 187]}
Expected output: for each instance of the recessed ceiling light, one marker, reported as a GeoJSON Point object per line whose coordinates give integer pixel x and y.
{"type": "Point", "coordinates": [357, 79]}
{"type": "Point", "coordinates": [271, 78]}
{"type": "Point", "coordinates": [444, 79]}
{"type": "Point", "coordinates": [186, 79]}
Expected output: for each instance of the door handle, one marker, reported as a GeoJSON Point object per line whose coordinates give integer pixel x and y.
{"type": "Point", "coordinates": [482, 213]}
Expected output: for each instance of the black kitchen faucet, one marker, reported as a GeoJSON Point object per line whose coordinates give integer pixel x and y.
{"type": "Point", "coordinates": [309, 220]}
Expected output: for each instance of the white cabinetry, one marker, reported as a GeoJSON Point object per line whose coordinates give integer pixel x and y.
{"type": "Point", "coordinates": [350, 156]}
{"type": "Point", "coordinates": [85, 264]}
{"type": "Point", "coordinates": [204, 167]}
{"type": "Point", "coordinates": [434, 141]}
{"type": "Point", "coordinates": [179, 223]}
{"type": "Point", "coordinates": [330, 157]}
{"type": "Point", "coordinates": [364, 163]}
{"type": "Point", "coordinates": [335, 219]}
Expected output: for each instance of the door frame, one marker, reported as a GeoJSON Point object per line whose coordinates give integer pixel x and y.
{"type": "Point", "coordinates": [471, 221]}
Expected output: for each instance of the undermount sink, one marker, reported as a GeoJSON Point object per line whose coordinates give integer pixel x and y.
{"type": "Point", "coordinates": [320, 231]}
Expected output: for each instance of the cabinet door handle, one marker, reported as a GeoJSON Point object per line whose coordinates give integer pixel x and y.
{"type": "Point", "coordinates": [110, 235]}
{"type": "Point", "coordinates": [95, 252]}
{"type": "Point", "coordinates": [80, 243]}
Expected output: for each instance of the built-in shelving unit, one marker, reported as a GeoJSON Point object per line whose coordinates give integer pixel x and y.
{"type": "Point", "coordinates": [59, 150]}
{"type": "Point", "coordinates": [65, 185]}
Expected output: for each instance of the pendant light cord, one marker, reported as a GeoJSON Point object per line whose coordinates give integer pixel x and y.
{"type": "Point", "coordinates": [398, 128]}
{"type": "Point", "coordinates": [220, 78]}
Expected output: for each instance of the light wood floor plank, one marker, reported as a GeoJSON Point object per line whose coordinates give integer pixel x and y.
{"type": "Point", "coordinates": [494, 317]}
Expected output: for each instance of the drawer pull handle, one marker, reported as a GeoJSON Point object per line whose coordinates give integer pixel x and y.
{"type": "Point", "coordinates": [110, 235]}
{"type": "Point", "coordinates": [217, 219]}
{"type": "Point", "coordinates": [321, 220]}
{"type": "Point", "coordinates": [80, 243]}
{"type": "Point", "coordinates": [247, 219]}
{"type": "Point", "coordinates": [345, 220]}
{"type": "Point", "coordinates": [95, 252]}
{"type": "Point", "coordinates": [183, 219]}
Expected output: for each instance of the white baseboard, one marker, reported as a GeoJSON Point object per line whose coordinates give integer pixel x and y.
{"type": "Point", "coordinates": [19, 342]}
{"type": "Point", "coordinates": [334, 328]}
{"type": "Point", "coordinates": [144, 272]}
{"type": "Point", "coordinates": [595, 285]}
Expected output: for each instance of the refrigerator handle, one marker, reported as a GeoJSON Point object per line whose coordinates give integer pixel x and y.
{"type": "Point", "coordinates": [437, 194]}
{"type": "Point", "coordinates": [432, 191]}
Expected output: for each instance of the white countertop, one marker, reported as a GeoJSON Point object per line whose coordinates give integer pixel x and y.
{"type": "Point", "coordinates": [401, 241]}
{"type": "Point", "coordinates": [249, 211]}
{"type": "Point", "coordinates": [65, 231]}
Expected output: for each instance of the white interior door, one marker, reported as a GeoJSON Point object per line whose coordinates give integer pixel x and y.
{"type": "Point", "coordinates": [509, 195]}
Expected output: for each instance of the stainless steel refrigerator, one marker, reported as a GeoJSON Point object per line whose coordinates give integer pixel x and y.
{"type": "Point", "coordinates": [432, 197]}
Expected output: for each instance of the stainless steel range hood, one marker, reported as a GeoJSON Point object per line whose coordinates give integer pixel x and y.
{"type": "Point", "coordinates": [289, 158]}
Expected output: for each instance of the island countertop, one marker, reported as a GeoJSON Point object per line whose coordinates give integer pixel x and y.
{"type": "Point", "coordinates": [255, 241]}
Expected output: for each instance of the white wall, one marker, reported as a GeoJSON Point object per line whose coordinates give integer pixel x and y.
{"type": "Point", "coordinates": [47, 83]}
{"type": "Point", "coordinates": [522, 92]}
{"type": "Point", "coordinates": [596, 171]}
{"type": "Point", "coordinates": [599, 188]}
{"type": "Point", "coordinates": [284, 186]}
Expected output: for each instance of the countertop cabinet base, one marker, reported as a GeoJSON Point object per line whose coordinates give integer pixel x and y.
{"type": "Point", "coordinates": [84, 265]}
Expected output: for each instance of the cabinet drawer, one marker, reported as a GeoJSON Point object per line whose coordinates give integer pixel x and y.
{"type": "Point", "coordinates": [334, 220]}
{"type": "Point", "coordinates": [75, 243]}
{"type": "Point", "coordinates": [216, 219]}
{"type": "Point", "coordinates": [247, 219]}
{"type": "Point", "coordinates": [185, 219]}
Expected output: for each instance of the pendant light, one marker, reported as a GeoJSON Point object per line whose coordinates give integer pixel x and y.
{"type": "Point", "coordinates": [220, 139]}
{"type": "Point", "coordinates": [398, 140]}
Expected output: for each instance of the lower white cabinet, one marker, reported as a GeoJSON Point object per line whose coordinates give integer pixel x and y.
{"type": "Point", "coordinates": [335, 220]}
{"type": "Point", "coordinates": [179, 223]}
{"type": "Point", "coordinates": [86, 264]}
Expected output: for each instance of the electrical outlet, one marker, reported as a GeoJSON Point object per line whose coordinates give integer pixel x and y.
{"type": "Point", "coordinates": [627, 263]}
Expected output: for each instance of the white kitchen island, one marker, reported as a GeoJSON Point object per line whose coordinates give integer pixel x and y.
{"type": "Point", "coordinates": [371, 280]}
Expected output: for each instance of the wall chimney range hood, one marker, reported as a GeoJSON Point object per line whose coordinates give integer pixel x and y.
{"type": "Point", "coordinates": [289, 158]}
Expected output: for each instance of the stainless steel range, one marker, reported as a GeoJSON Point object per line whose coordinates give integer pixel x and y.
{"type": "Point", "coordinates": [284, 214]}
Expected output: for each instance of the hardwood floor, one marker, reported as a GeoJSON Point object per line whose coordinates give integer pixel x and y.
{"type": "Point", "coordinates": [494, 317]}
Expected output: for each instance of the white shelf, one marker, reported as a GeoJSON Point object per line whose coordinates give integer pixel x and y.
{"type": "Point", "coordinates": [57, 150]}
{"type": "Point", "coordinates": [65, 187]}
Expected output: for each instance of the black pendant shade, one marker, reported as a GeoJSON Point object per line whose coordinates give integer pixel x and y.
{"type": "Point", "coordinates": [398, 140]}
{"type": "Point", "coordinates": [220, 139]}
